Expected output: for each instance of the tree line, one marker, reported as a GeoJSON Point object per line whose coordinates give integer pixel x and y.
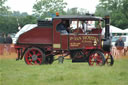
{"type": "Point", "coordinates": [11, 20]}
{"type": "Point", "coordinates": [116, 9]}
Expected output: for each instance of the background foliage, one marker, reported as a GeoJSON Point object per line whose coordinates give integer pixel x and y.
{"type": "Point", "coordinates": [45, 8]}
{"type": "Point", "coordinates": [117, 9]}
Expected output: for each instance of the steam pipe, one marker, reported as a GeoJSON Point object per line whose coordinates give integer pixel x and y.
{"type": "Point", "coordinates": [107, 28]}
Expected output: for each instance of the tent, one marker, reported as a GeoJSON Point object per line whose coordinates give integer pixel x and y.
{"type": "Point", "coordinates": [113, 29]}
{"type": "Point", "coordinates": [126, 30]}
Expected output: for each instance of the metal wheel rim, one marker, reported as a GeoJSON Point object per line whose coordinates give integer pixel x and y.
{"type": "Point", "coordinates": [31, 54]}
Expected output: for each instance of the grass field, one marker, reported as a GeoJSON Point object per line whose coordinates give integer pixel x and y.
{"type": "Point", "coordinates": [18, 73]}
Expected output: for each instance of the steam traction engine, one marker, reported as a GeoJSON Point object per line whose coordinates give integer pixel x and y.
{"type": "Point", "coordinates": [81, 42]}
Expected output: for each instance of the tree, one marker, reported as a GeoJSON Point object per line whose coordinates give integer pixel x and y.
{"type": "Point", "coordinates": [9, 23]}
{"type": "Point", "coordinates": [76, 11]}
{"type": "Point", "coordinates": [3, 9]}
{"type": "Point", "coordinates": [2, 3]}
{"type": "Point", "coordinates": [45, 8]}
{"type": "Point", "coordinates": [9, 20]}
{"type": "Point", "coordinates": [117, 9]}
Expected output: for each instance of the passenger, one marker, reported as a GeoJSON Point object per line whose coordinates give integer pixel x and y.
{"type": "Point", "coordinates": [83, 26]}
{"type": "Point", "coordinates": [62, 27]}
{"type": "Point", "coordinates": [120, 47]}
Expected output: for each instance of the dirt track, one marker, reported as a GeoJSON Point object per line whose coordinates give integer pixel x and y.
{"type": "Point", "coordinates": [6, 55]}
{"type": "Point", "coordinates": [7, 51]}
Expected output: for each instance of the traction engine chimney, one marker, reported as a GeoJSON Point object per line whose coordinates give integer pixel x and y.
{"type": "Point", "coordinates": [107, 28]}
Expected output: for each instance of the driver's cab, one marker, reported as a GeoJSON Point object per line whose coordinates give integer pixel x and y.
{"type": "Point", "coordinates": [66, 27]}
{"type": "Point", "coordinates": [78, 26]}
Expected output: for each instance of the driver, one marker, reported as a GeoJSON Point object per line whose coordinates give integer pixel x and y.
{"type": "Point", "coordinates": [63, 27]}
{"type": "Point", "coordinates": [83, 26]}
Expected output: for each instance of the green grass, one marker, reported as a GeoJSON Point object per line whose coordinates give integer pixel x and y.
{"type": "Point", "coordinates": [18, 73]}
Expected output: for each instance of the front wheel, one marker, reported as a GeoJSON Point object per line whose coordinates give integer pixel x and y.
{"type": "Point", "coordinates": [96, 58]}
{"type": "Point", "coordinates": [109, 60]}
{"type": "Point", "coordinates": [34, 56]}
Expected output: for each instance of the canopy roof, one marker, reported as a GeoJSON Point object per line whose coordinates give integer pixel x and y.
{"type": "Point", "coordinates": [79, 17]}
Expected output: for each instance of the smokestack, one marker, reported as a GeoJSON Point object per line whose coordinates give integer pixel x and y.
{"type": "Point", "coordinates": [107, 28]}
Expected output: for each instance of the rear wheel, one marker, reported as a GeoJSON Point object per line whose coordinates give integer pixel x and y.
{"type": "Point", "coordinates": [34, 56]}
{"type": "Point", "coordinates": [96, 58]}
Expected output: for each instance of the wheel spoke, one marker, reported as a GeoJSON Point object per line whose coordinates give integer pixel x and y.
{"type": "Point", "coordinates": [35, 62]}
{"type": "Point", "coordinates": [92, 60]}
{"type": "Point", "coordinates": [34, 52]}
{"type": "Point", "coordinates": [99, 60]}
{"type": "Point", "coordinates": [30, 55]}
{"type": "Point", "coordinates": [38, 54]}
{"type": "Point", "coordinates": [30, 60]}
{"type": "Point", "coordinates": [39, 59]}
{"type": "Point", "coordinates": [94, 57]}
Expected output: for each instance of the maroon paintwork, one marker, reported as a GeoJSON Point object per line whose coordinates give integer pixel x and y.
{"type": "Point", "coordinates": [56, 35]}
{"type": "Point", "coordinates": [64, 42]}
{"type": "Point", "coordinates": [37, 35]}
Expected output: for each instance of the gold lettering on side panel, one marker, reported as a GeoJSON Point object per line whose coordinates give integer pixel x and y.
{"type": "Point", "coordinates": [74, 44]}
{"type": "Point", "coordinates": [79, 40]}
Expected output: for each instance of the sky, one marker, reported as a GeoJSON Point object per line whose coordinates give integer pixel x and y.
{"type": "Point", "coordinates": [26, 5]}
